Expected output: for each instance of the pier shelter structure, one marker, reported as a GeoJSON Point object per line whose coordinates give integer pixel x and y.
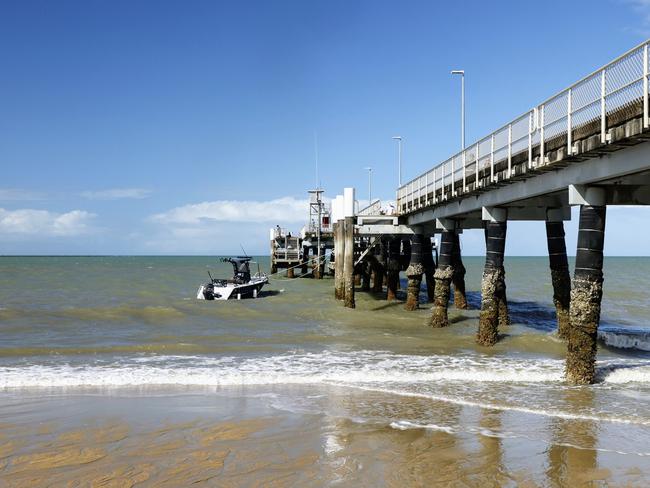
{"type": "Point", "coordinates": [308, 251]}
{"type": "Point", "coordinates": [586, 146]}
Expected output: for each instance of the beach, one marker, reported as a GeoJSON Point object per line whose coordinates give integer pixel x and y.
{"type": "Point", "coordinates": [113, 374]}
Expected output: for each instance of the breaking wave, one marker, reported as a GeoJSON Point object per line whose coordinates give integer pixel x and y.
{"type": "Point", "coordinates": [625, 338]}
{"type": "Point", "coordinates": [337, 368]}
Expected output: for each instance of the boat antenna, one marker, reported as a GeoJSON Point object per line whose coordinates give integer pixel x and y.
{"type": "Point", "coordinates": [242, 248]}
{"type": "Point", "coordinates": [211, 279]}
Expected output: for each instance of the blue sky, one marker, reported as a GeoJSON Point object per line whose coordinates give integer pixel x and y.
{"type": "Point", "coordinates": [188, 127]}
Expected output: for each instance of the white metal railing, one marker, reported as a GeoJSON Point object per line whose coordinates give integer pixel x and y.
{"type": "Point", "coordinates": [373, 209]}
{"type": "Point", "coordinates": [619, 88]}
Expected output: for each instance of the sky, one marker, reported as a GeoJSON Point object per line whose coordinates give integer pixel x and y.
{"type": "Point", "coordinates": [169, 127]}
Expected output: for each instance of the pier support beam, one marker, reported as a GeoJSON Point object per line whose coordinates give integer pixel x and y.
{"type": "Point", "coordinates": [348, 262]}
{"type": "Point", "coordinates": [317, 270]}
{"type": "Point", "coordinates": [380, 269]}
{"type": "Point", "coordinates": [290, 271]}
{"type": "Point", "coordinates": [560, 277]}
{"type": "Point", "coordinates": [365, 276]}
{"type": "Point", "coordinates": [443, 276]}
{"type": "Point", "coordinates": [414, 272]}
{"type": "Point", "coordinates": [429, 267]}
{"type": "Point", "coordinates": [493, 284]}
{"type": "Point", "coordinates": [357, 278]}
{"type": "Point", "coordinates": [458, 279]}
{"type": "Point", "coordinates": [339, 259]}
{"type": "Point", "coordinates": [587, 290]}
{"type": "Point", "coordinates": [393, 268]}
{"type": "Point", "coordinates": [305, 261]}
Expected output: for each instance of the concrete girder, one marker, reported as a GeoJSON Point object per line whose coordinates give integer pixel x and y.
{"type": "Point", "coordinates": [545, 186]}
{"type": "Point", "coordinates": [614, 194]}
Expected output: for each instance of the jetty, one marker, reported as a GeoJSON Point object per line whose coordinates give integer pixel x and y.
{"type": "Point", "coordinates": [586, 146]}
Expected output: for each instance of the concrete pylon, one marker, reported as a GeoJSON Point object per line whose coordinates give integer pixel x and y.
{"type": "Point", "coordinates": [492, 285]}
{"type": "Point", "coordinates": [348, 263]}
{"type": "Point", "coordinates": [380, 269]}
{"type": "Point", "coordinates": [365, 275]}
{"type": "Point", "coordinates": [339, 260]}
{"type": "Point", "coordinates": [357, 277]}
{"type": "Point", "coordinates": [414, 273]}
{"type": "Point", "coordinates": [458, 279]}
{"type": "Point", "coordinates": [443, 275]}
{"type": "Point", "coordinates": [305, 261]}
{"type": "Point", "coordinates": [393, 268]}
{"type": "Point", "coordinates": [560, 277]}
{"type": "Point", "coordinates": [316, 266]}
{"type": "Point", "coordinates": [502, 299]}
{"type": "Point", "coordinates": [429, 267]}
{"type": "Point", "coordinates": [586, 295]}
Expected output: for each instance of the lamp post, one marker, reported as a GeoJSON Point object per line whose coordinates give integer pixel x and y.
{"type": "Point", "coordinates": [399, 158]}
{"type": "Point", "coordinates": [369, 169]}
{"type": "Point", "coordinates": [462, 104]}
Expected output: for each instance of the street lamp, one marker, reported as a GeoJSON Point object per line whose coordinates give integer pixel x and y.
{"type": "Point", "coordinates": [369, 169]}
{"type": "Point", "coordinates": [399, 158]}
{"type": "Point", "coordinates": [462, 104]}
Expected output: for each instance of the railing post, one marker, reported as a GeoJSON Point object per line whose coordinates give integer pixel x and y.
{"type": "Point", "coordinates": [569, 138]}
{"type": "Point", "coordinates": [426, 188]}
{"type": "Point", "coordinates": [542, 159]}
{"type": "Point", "coordinates": [509, 150]}
{"type": "Point", "coordinates": [444, 193]}
{"type": "Point", "coordinates": [603, 113]}
{"type": "Point", "coordinates": [476, 160]}
{"type": "Point", "coordinates": [434, 186]}
{"type": "Point", "coordinates": [530, 137]}
{"type": "Point", "coordinates": [453, 177]}
{"type": "Point", "coordinates": [492, 159]}
{"type": "Point", "coordinates": [464, 173]}
{"type": "Point", "coordinates": [646, 121]}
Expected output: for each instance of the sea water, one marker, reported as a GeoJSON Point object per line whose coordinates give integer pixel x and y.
{"type": "Point", "coordinates": [109, 325]}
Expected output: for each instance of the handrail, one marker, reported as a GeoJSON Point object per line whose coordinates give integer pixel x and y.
{"type": "Point", "coordinates": [620, 83]}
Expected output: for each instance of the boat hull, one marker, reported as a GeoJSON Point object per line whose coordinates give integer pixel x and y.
{"type": "Point", "coordinates": [215, 291]}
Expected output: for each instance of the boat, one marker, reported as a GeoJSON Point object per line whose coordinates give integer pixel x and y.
{"type": "Point", "coordinates": [242, 284]}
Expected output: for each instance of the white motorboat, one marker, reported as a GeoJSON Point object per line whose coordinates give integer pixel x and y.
{"type": "Point", "coordinates": [242, 284]}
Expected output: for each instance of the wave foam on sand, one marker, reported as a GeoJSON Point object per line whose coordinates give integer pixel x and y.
{"type": "Point", "coordinates": [359, 367]}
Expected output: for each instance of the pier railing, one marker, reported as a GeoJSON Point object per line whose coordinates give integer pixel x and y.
{"type": "Point", "coordinates": [608, 97]}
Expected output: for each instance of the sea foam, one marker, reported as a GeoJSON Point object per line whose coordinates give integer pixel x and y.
{"type": "Point", "coordinates": [328, 367]}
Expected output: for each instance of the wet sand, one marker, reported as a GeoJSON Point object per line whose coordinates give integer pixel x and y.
{"type": "Point", "coordinates": [246, 438]}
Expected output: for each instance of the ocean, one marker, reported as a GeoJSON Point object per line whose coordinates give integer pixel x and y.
{"type": "Point", "coordinates": [373, 395]}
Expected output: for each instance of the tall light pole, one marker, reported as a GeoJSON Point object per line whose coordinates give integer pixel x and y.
{"type": "Point", "coordinates": [369, 169]}
{"type": "Point", "coordinates": [462, 104]}
{"type": "Point", "coordinates": [399, 159]}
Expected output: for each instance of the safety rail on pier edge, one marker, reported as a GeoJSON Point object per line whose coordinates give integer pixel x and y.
{"type": "Point", "coordinates": [588, 109]}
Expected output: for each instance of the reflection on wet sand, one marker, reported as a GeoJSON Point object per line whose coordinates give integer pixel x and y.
{"type": "Point", "coordinates": [437, 453]}
{"type": "Point", "coordinates": [492, 471]}
{"type": "Point", "coordinates": [572, 454]}
{"type": "Point", "coordinates": [341, 437]}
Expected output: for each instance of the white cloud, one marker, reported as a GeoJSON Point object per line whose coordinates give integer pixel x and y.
{"type": "Point", "coordinates": [286, 209]}
{"type": "Point", "coordinates": [117, 194]}
{"type": "Point", "coordinates": [44, 223]}
{"type": "Point", "coordinates": [17, 194]}
{"type": "Point", "coordinates": [221, 226]}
